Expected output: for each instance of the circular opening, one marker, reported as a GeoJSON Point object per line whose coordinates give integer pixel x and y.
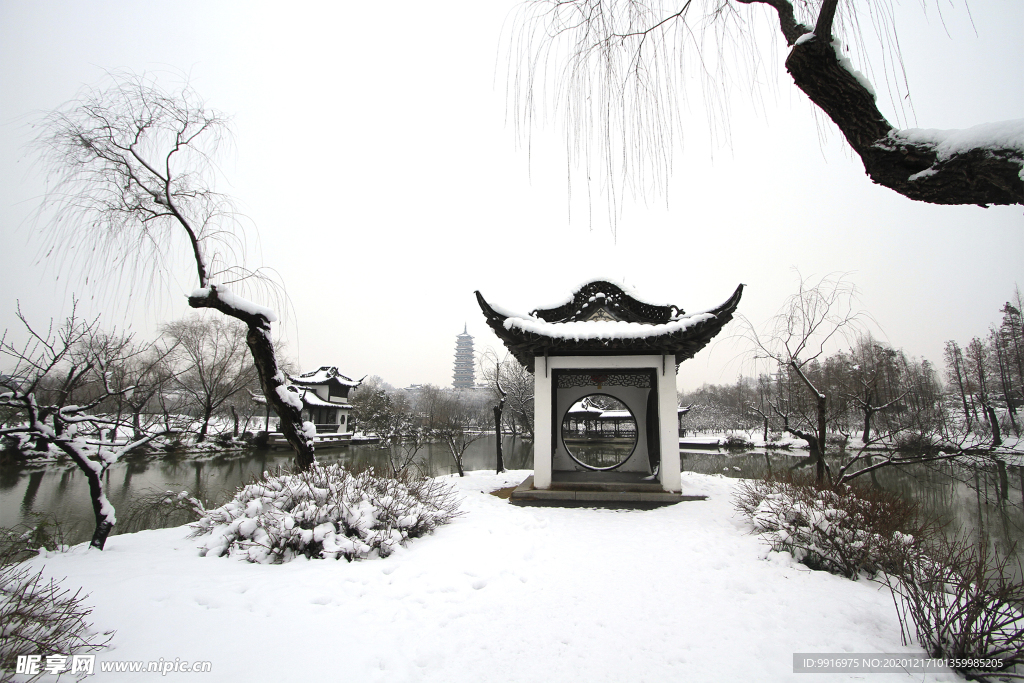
{"type": "Point", "coordinates": [599, 432]}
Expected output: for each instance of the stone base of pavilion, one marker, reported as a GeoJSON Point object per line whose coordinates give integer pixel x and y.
{"type": "Point", "coordinates": [598, 489]}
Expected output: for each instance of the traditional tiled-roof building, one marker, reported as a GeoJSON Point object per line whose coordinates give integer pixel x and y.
{"type": "Point", "coordinates": [604, 347]}
{"type": "Point", "coordinates": [324, 393]}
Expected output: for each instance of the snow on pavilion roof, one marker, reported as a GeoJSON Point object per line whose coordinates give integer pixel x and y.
{"type": "Point", "coordinates": [603, 319]}
{"type": "Point", "coordinates": [323, 376]}
{"type": "Point", "coordinates": [311, 400]}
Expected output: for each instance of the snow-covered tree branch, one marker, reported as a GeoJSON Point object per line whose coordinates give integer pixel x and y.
{"type": "Point", "coordinates": [131, 171]}
{"type": "Point", "coordinates": [616, 71]}
{"type": "Point", "coordinates": [51, 394]}
{"type": "Point", "coordinates": [794, 339]}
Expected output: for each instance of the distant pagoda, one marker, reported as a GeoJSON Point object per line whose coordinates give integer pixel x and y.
{"type": "Point", "coordinates": [465, 361]}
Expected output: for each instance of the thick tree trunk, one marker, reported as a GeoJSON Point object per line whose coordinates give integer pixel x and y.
{"type": "Point", "coordinates": [500, 464]}
{"type": "Point", "coordinates": [868, 412]}
{"type": "Point", "coordinates": [137, 425]}
{"type": "Point", "coordinates": [911, 164]}
{"type": "Point", "coordinates": [997, 439]}
{"type": "Point", "coordinates": [286, 404]}
{"type": "Point", "coordinates": [816, 455]}
{"type": "Point", "coordinates": [816, 441]}
{"type": "Point", "coordinates": [207, 413]}
{"type": "Point", "coordinates": [102, 511]}
{"type": "Point", "coordinates": [456, 455]}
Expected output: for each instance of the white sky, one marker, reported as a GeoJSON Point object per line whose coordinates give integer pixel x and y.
{"type": "Point", "coordinates": [373, 152]}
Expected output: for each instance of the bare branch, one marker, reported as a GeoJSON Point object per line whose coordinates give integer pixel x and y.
{"type": "Point", "coordinates": [614, 72]}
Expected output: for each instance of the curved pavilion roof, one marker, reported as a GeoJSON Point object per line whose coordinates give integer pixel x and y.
{"type": "Point", "coordinates": [323, 375]}
{"type": "Point", "coordinates": [603, 319]}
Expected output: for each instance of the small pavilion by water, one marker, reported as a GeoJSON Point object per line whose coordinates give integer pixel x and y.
{"type": "Point", "coordinates": [606, 416]}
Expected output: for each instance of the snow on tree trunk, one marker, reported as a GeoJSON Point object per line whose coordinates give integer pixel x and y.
{"type": "Point", "coordinates": [982, 165]}
{"type": "Point", "coordinates": [103, 511]}
{"type": "Point", "coordinates": [286, 404]}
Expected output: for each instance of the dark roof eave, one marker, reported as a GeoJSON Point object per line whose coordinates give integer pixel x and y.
{"type": "Point", "coordinates": [683, 344]}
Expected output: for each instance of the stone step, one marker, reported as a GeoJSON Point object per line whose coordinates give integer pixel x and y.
{"type": "Point", "coordinates": [573, 495]}
{"type": "Point", "coordinates": [646, 486]}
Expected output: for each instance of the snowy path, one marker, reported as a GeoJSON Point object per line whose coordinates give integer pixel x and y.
{"type": "Point", "coordinates": [502, 594]}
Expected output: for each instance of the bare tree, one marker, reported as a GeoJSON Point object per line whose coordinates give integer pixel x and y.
{"type": "Point", "coordinates": [797, 337]}
{"type": "Point", "coordinates": [620, 66]}
{"type": "Point", "coordinates": [388, 414]}
{"type": "Point", "coordinates": [131, 172]}
{"type": "Point", "coordinates": [516, 390]}
{"type": "Point", "coordinates": [214, 364]}
{"type": "Point", "coordinates": [149, 374]}
{"type": "Point", "coordinates": [1005, 345]}
{"type": "Point", "coordinates": [499, 408]}
{"type": "Point", "coordinates": [956, 371]}
{"type": "Point", "coordinates": [978, 363]}
{"type": "Point", "coordinates": [59, 379]}
{"type": "Point", "coordinates": [451, 418]}
{"type": "Point", "coordinates": [870, 393]}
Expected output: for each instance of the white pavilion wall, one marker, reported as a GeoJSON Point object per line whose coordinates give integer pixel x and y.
{"type": "Point", "coordinates": [544, 453]}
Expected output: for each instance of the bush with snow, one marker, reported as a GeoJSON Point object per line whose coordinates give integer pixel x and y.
{"type": "Point", "coordinates": [848, 531]}
{"type": "Point", "coordinates": [965, 604]}
{"type": "Point", "coordinates": [326, 512]}
{"type": "Point", "coordinates": [39, 617]}
{"type": "Point", "coordinates": [736, 440]}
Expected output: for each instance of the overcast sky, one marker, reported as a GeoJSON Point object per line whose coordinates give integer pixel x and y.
{"type": "Point", "coordinates": [373, 151]}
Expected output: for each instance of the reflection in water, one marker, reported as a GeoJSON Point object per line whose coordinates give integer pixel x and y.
{"type": "Point", "coordinates": [34, 480]}
{"type": "Point", "coordinates": [967, 497]}
{"type": "Point", "coordinates": [602, 454]}
{"type": "Point", "coordinates": [65, 479]}
{"type": "Point", "coordinates": [62, 491]}
{"type": "Point", "coordinates": [599, 432]}
{"type": "Point", "coordinates": [963, 497]}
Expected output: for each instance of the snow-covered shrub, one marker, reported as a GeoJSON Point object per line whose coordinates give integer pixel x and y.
{"type": "Point", "coordinates": [850, 531]}
{"type": "Point", "coordinates": [963, 602]}
{"type": "Point", "coordinates": [326, 512]}
{"type": "Point", "coordinates": [915, 441]}
{"type": "Point", "coordinates": [26, 540]}
{"type": "Point", "coordinates": [735, 440]}
{"type": "Point", "coordinates": [38, 617]}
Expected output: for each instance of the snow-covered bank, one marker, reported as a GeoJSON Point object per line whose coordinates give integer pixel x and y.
{"type": "Point", "coordinates": [502, 593]}
{"type": "Point", "coordinates": [1012, 446]}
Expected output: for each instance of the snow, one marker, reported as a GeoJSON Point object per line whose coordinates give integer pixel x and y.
{"type": "Point", "coordinates": [289, 396]}
{"type": "Point", "coordinates": [804, 38]}
{"type": "Point", "coordinates": [681, 593]}
{"type": "Point", "coordinates": [310, 398]}
{"type": "Point", "coordinates": [602, 329]}
{"type": "Point", "coordinates": [584, 406]}
{"type": "Point", "coordinates": [845, 62]}
{"type": "Point", "coordinates": [322, 376]}
{"type": "Point", "coordinates": [998, 135]}
{"type": "Point", "coordinates": [234, 301]}
{"type": "Point", "coordinates": [106, 509]}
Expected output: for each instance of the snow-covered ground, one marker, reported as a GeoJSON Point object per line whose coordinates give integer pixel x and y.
{"type": "Point", "coordinates": [681, 593]}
